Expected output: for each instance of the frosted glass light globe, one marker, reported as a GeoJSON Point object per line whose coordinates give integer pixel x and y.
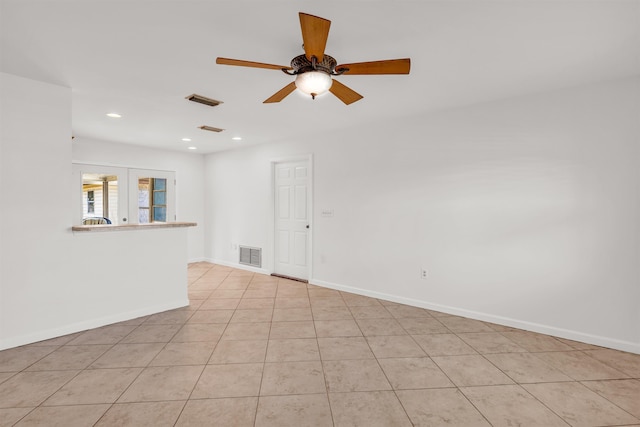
{"type": "Point", "coordinates": [313, 83]}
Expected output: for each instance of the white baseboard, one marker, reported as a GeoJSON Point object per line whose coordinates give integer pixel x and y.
{"type": "Point", "coordinates": [485, 317]}
{"type": "Point", "coordinates": [201, 259]}
{"type": "Point", "coordinates": [238, 266]}
{"type": "Point", "coordinates": [89, 324]}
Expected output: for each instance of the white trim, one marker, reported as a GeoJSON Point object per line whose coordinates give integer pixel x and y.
{"type": "Point", "coordinates": [238, 266]}
{"type": "Point", "coordinates": [116, 165]}
{"type": "Point", "coordinates": [271, 242]}
{"type": "Point", "coordinates": [90, 324]}
{"type": "Point", "coordinates": [485, 317]}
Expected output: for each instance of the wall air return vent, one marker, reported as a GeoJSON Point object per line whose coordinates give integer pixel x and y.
{"type": "Point", "coordinates": [210, 128]}
{"type": "Point", "coordinates": [251, 256]}
{"type": "Point", "coordinates": [203, 100]}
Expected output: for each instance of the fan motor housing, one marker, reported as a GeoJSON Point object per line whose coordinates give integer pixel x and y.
{"type": "Point", "coordinates": [301, 64]}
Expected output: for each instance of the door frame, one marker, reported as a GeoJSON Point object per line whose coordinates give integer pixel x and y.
{"type": "Point", "coordinates": [308, 158]}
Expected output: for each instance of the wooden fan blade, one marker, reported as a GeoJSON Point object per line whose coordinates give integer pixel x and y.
{"type": "Point", "coordinates": [345, 94]}
{"type": "Point", "coordinates": [281, 94]}
{"type": "Point", "coordinates": [241, 63]}
{"type": "Point", "coordinates": [390, 66]}
{"type": "Point", "coordinates": [315, 31]}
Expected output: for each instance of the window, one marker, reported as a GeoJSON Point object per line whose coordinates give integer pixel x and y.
{"type": "Point", "coordinates": [123, 195]}
{"type": "Point", "coordinates": [152, 200]}
{"type": "Point", "coordinates": [159, 200]}
{"type": "Point", "coordinates": [100, 195]}
{"type": "Point", "coordinates": [143, 201]}
{"type": "Point", "coordinates": [91, 202]}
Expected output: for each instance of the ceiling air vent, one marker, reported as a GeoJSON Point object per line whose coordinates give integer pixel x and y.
{"type": "Point", "coordinates": [203, 100]}
{"type": "Point", "coordinates": [210, 128]}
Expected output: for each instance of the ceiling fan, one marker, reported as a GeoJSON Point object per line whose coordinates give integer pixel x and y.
{"type": "Point", "coordinates": [314, 70]}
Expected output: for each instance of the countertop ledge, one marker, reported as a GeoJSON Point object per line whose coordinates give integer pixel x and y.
{"type": "Point", "coordinates": [111, 227]}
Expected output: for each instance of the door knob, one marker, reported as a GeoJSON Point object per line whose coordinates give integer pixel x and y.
{"type": "Point", "coordinates": [307, 225]}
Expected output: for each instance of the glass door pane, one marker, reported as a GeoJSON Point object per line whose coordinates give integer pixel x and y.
{"type": "Point", "coordinates": [153, 197]}
{"type": "Point", "coordinates": [100, 194]}
{"type": "Point", "coordinates": [144, 200]}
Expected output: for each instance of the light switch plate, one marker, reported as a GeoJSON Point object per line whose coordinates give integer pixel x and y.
{"type": "Point", "coordinates": [327, 213]}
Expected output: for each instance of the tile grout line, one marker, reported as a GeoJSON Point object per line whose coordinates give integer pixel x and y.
{"type": "Point", "coordinates": [441, 370]}
{"type": "Point", "coordinates": [205, 364]}
{"type": "Point", "coordinates": [324, 374]}
{"type": "Point", "coordinates": [264, 363]}
{"type": "Point", "coordinates": [519, 385]}
{"type": "Point", "coordinates": [606, 398]}
{"type": "Point", "coordinates": [573, 379]}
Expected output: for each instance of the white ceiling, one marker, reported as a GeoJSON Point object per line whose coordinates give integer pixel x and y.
{"type": "Point", "coordinates": [140, 58]}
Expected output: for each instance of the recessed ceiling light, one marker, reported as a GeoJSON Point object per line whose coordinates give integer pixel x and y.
{"type": "Point", "coordinates": [186, 139]}
{"type": "Point", "coordinates": [237, 138]}
{"type": "Point", "coordinates": [114, 115]}
{"type": "Point", "coordinates": [192, 148]}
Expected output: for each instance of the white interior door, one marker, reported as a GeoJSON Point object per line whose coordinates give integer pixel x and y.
{"type": "Point", "coordinates": [292, 202]}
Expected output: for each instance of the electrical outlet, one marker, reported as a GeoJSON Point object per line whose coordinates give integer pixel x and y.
{"type": "Point", "coordinates": [234, 246]}
{"type": "Point", "coordinates": [424, 273]}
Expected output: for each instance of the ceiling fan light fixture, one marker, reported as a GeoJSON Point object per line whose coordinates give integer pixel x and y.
{"type": "Point", "coordinates": [314, 69]}
{"type": "Point", "coordinates": [314, 83]}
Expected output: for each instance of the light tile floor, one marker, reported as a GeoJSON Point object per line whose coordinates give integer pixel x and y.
{"type": "Point", "coordinates": [254, 350]}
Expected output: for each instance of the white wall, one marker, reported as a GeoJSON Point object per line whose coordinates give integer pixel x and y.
{"type": "Point", "coordinates": [526, 211]}
{"type": "Point", "coordinates": [47, 286]}
{"type": "Point", "coordinates": [189, 169]}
